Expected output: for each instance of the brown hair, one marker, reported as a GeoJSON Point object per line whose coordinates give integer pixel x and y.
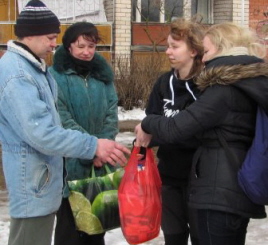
{"type": "Point", "coordinates": [192, 33]}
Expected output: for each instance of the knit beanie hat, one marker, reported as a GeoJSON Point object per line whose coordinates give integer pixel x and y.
{"type": "Point", "coordinates": [36, 19]}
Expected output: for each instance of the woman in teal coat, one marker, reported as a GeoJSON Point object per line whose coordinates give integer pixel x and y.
{"type": "Point", "coordinates": [87, 101]}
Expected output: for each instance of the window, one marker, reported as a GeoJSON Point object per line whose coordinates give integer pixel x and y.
{"type": "Point", "coordinates": [173, 9]}
{"type": "Point", "coordinates": [150, 10]}
{"type": "Point", "coordinates": [167, 10]}
{"type": "Point", "coordinates": [203, 9]}
{"type": "Point", "coordinates": [156, 10]}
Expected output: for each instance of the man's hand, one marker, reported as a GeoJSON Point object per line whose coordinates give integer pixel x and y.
{"type": "Point", "coordinates": [97, 162]}
{"type": "Point", "coordinates": [111, 152]}
{"type": "Point", "coordinates": [142, 139]}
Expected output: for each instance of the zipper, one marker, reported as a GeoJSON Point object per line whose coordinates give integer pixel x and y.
{"type": "Point", "coordinates": [85, 79]}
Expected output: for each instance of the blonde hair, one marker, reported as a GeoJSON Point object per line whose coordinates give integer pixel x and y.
{"type": "Point", "coordinates": [228, 37]}
{"type": "Point", "coordinates": [192, 33]}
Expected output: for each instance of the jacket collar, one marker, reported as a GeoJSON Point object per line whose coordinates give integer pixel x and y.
{"type": "Point", "coordinates": [250, 75]}
{"type": "Point", "coordinates": [13, 47]}
{"type": "Point", "coordinates": [228, 70]}
{"type": "Point", "coordinates": [100, 69]}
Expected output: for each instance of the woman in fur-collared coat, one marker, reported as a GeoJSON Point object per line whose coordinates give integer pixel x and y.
{"type": "Point", "coordinates": [234, 82]}
{"type": "Point", "coordinates": [87, 102]}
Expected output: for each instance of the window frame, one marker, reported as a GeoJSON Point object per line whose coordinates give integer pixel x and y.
{"type": "Point", "coordinates": [138, 5]}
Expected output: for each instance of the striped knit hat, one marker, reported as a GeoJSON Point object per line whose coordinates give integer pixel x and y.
{"type": "Point", "coordinates": [36, 19]}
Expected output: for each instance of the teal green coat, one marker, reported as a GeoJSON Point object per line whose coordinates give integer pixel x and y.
{"type": "Point", "coordinates": [85, 104]}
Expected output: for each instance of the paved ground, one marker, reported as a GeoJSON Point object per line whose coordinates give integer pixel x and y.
{"type": "Point", "coordinates": [257, 230]}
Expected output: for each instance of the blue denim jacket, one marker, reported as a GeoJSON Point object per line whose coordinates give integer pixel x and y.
{"type": "Point", "coordinates": [33, 140]}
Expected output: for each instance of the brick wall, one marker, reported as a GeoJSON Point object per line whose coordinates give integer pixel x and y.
{"type": "Point", "coordinates": [231, 10]}
{"type": "Point", "coordinates": [223, 11]}
{"type": "Point", "coordinates": [257, 20]}
{"type": "Point", "coordinates": [241, 12]}
{"type": "Point", "coordinates": [122, 32]}
{"type": "Point", "coordinates": [256, 9]}
{"type": "Point", "coordinates": [109, 9]}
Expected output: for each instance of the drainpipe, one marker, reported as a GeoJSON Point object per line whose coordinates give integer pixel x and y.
{"type": "Point", "coordinates": [138, 11]}
{"type": "Point", "coordinates": [243, 12]}
{"type": "Point", "coordinates": [73, 10]}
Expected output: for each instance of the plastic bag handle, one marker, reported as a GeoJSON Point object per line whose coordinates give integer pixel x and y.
{"type": "Point", "coordinates": [149, 160]}
{"type": "Point", "coordinates": [93, 173]}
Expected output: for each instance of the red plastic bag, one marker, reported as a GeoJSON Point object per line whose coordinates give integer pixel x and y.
{"type": "Point", "coordinates": [139, 198]}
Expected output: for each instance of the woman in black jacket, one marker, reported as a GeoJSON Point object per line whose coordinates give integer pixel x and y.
{"type": "Point", "coordinates": [234, 82]}
{"type": "Point", "coordinates": [173, 92]}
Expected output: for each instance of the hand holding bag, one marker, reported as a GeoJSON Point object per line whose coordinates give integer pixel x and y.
{"type": "Point", "coordinates": [94, 201]}
{"type": "Point", "coordinates": [139, 197]}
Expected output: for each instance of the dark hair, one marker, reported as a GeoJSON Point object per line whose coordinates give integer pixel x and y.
{"type": "Point", "coordinates": [86, 29]}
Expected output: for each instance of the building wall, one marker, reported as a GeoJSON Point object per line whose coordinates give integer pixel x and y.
{"type": "Point", "coordinates": [222, 11]}
{"type": "Point", "coordinates": [231, 10]}
{"type": "Point", "coordinates": [109, 9]}
{"type": "Point", "coordinates": [257, 8]}
{"type": "Point", "coordinates": [241, 12]}
{"type": "Point", "coordinates": [8, 11]}
{"type": "Point", "coordinates": [258, 21]}
{"type": "Point", "coordinates": [247, 12]}
{"type": "Point", "coordinates": [122, 24]}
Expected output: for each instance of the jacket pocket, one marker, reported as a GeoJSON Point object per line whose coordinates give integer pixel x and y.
{"type": "Point", "coordinates": [195, 172]}
{"type": "Point", "coordinates": [43, 178]}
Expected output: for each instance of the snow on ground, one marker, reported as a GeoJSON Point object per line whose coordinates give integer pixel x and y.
{"type": "Point", "coordinates": [257, 230]}
{"type": "Point", "coordinates": [135, 114]}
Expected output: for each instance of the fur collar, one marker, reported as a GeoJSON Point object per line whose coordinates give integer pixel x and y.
{"type": "Point", "coordinates": [230, 74]}
{"type": "Point", "coordinates": [100, 69]}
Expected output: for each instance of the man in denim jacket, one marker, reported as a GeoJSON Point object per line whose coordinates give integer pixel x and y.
{"type": "Point", "coordinates": [33, 140]}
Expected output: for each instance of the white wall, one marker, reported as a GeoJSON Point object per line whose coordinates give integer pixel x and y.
{"type": "Point", "coordinates": [74, 10]}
